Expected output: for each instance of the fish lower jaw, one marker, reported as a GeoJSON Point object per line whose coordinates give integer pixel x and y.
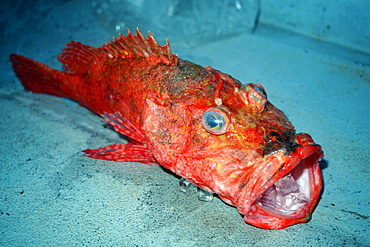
{"type": "Point", "coordinates": [291, 199]}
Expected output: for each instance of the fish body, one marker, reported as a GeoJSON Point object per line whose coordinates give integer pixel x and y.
{"type": "Point", "coordinates": [202, 124]}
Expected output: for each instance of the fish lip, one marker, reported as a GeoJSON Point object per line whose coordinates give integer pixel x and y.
{"type": "Point", "coordinates": [305, 158]}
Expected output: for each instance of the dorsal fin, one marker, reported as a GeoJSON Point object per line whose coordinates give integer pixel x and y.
{"type": "Point", "coordinates": [137, 46]}
{"type": "Point", "coordinates": [77, 57]}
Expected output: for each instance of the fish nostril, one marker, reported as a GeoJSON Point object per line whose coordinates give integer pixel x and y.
{"type": "Point", "coordinates": [275, 137]}
{"type": "Point", "coordinates": [276, 141]}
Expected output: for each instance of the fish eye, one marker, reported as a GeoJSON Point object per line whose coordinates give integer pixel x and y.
{"type": "Point", "coordinates": [259, 89]}
{"type": "Point", "coordinates": [215, 121]}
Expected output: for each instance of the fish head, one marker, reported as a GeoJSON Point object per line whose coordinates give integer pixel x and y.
{"type": "Point", "coordinates": [262, 166]}
{"type": "Point", "coordinates": [227, 138]}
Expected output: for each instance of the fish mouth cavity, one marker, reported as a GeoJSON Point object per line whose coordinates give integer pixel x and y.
{"type": "Point", "coordinates": [289, 194]}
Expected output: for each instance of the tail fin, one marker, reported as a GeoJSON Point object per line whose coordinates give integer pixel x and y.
{"type": "Point", "coordinates": [35, 76]}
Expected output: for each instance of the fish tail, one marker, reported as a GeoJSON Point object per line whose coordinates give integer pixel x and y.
{"type": "Point", "coordinates": [37, 77]}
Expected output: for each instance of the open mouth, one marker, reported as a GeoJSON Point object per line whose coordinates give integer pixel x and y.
{"type": "Point", "coordinates": [292, 198]}
{"type": "Point", "coordinates": [288, 194]}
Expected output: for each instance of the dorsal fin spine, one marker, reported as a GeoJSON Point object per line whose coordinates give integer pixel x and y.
{"type": "Point", "coordinates": [143, 43]}
{"type": "Point", "coordinates": [137, 46]}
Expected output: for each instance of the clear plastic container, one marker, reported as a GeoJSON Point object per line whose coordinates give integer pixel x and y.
{"type": "Point", "coordinates": [184, 22]}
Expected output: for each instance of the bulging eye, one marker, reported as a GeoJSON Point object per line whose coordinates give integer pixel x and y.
{"type": "Point", "coordinates": [215, 121]}
{"type": "Point", "coordinates": [259, 89]}
{"type": "Point", "coordinates": [254, 96]}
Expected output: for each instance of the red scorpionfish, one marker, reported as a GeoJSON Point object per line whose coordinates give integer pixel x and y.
{"type": "Point", "coordinates": [202, 124]}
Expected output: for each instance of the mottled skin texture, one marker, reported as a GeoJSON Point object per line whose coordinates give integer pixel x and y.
{"type": "Point", "coordinates": [158, 101]}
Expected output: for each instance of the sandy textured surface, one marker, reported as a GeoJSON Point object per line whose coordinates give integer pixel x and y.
{"type": "Point", "coordinates": [51, 195]}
